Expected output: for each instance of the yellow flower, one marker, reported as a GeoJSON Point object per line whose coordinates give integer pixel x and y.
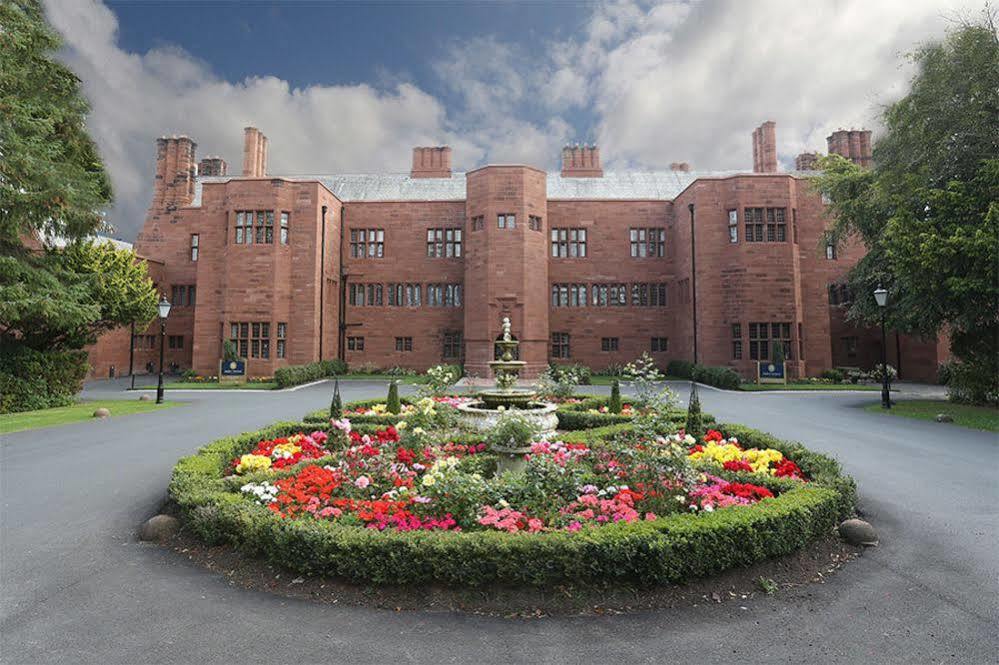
{"type": "Point", "coordinates": [251, 463]}
{"type": "Point", "coordinates": [402, 425]}
{"type": "Point", "coordinates": [429, 480]}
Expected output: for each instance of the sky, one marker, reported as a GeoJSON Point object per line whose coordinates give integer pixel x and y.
{"type": "Point", "coordinates": [351, 87]}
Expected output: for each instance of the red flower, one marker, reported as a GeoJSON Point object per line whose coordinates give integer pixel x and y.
{"type": "Point", "coordinates": [737, 465]}
{"type": "Point", "coordinates": [788, 469]}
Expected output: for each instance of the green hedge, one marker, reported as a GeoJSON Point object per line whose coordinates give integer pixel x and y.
{"type": "Point", "coordinates": [667, 550]}
{"type": "Point", "coordinates": [720, 377]}
{"type": "Point", "coordinates": [323, 415]}
{"type": "Point", "coordinates": [32, 379]}
{"type": "Point", "coordinates": [295, 375]}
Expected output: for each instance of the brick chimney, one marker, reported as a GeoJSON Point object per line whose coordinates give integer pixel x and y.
{"type": "Point", "coordinates": [680, 166]}
{"type": "Point", "coordinates": [806, 161]}
{"type": "Point", "coordinates": [254, 153]}
{"type": "Point", "coordinates": [431, 162]}
{"type": "Point", "coordinates": [854, 144]}
{"type": "Point", "coordinates": [581, 161]}
{"type": "Point", "coordinates": [212, 166]}
{"type": "Point", "coordinates": [765, 148]}
{"type": "Point", "coordinates": [175, 172]}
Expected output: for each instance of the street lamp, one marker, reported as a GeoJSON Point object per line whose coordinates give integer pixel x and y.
{"type": "Point", "coordinates": [164, 311]}
{"type": "Point", "coordinates": [881, 298]}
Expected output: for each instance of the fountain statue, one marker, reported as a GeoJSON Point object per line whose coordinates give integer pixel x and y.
{"type": "Point", "coordinates": [483, 414]}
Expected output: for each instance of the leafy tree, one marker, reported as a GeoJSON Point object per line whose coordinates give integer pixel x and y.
{"type": "Point", "coordinates": [928, 211]}
{"type": "Point", "coordinates": [60, 300]}
{"type": "Point", "coordinates": [52, 180]}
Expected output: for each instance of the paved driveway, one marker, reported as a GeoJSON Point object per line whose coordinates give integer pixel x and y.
{"type": "Point", "coordinates": [76, 587]}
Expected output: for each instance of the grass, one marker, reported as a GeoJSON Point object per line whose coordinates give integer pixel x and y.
{"type": "Point", "coordinates": [754, 387]}
{"type": "Point", "coordinates": [205, 385]}
{"type": "Point", "coordinates": [974, 417]}
{"type": "Point", "coordinates": [406, 378]}
{"type": "Point", "coordinates": [64, 415]}
{"type": "Point", "coordinates": [608, 380]}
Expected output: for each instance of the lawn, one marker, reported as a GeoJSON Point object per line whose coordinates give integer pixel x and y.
{"type": "Point", "coordinates": [754, 387]}
{"type": "Point", "coordinates": [63, 415]}
{"type": "Point", "coordinates": [206, 385]}
{"type": "Point", "coordinates": [407, 378]}
{"type": "Point", "coordinates": [965, 415]}
{"type": "Point", "coordinates": [608, 380]}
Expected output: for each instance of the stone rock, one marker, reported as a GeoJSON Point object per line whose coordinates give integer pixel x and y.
{"type": "Point", "coordinates": [159, 528]}
{"type": "Point", "coordinates": [858, 532]}
{"type": "Point", "coordinates": [102, 413]}
{"type": "Point", "coordinates": [944, 418]}
{"type": "Point", "coordinates": [145, 398]}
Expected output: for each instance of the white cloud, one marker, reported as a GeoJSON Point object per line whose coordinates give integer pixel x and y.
{"type": "Point", "coordinates": [660, 83]}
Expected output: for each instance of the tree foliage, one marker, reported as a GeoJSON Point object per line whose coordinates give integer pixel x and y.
{"type": "Point", "coordinates": [51, 176]}
{"type": "Point", "coordinates": [64, 299]}
{"type": "Point", "coordinates": [928, 211]}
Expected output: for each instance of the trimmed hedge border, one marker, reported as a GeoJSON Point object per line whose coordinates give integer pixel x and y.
{"type": "Point", "coordinates": [296, 375]}
{"type": "Point", "coordinates": [668, 550]}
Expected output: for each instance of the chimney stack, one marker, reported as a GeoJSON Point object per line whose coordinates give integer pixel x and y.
{"type": "Point", "coordinates": [581, 161]}
{"type": "Point", "coordinates": [431, 162]}
{"type": "Point", "coordinates": [680, 166]}
{"type": "Point", "coordinates": [175, 172]}
{"type": "Point", "coordinates": [806, 161]}
{"type": "Point", "coordinates": [212, 166]}
{"type": "Point", "coordinates": [853, 144]}
{"type": "Point", "coordinates": [765, 148]}
{"type": "Point", "coordinates": [254, 153]}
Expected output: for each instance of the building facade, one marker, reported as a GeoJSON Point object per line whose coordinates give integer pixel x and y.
{"type": "Point", "coordinates": [418, 269]}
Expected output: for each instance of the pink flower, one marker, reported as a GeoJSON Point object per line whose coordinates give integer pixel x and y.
{"type": "Point", "coordinates": [574, 527]}
{"type": "Point", "coordinates": [534, 524]}
{"type": "Point", "coordinates": [650, 517]}
{"type": "Point", "coordinates": [362, 482]}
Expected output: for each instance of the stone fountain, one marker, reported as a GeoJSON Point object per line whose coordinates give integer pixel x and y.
{"type": "Point", "coordinates": [483, 414]}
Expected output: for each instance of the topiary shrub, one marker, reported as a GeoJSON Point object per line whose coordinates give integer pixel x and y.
{"type": "Point", "coordinates": [336, 404]}
{"type": "Point", "coordinates": [614, 406]}
{"type": "Point", "coordinates": [392, 404]}
{"type": "Point", "coordinates": [295, 375]}
{"type": "Point", "coordinates": [719, 377]}
{"type": "Point", "coordinates": [32, 379]}
{"type": "Point", "coordinates": [694, 425]}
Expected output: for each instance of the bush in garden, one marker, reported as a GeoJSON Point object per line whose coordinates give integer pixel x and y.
{"type": "Point", "coordinates": [836, 375]}
{"type": "Point", "coordinates": [695, 424]}
{"type": "Point", "coordinates": [683, 369]}
{"type": "Point", "coordinates": [295, 375]}
{"type": "Point", "coordinates": [645, 377]}
{"type": "Point", "coordinates": [877, 375]}
{"type": "Point", "coordinates": [440, 378]}
{"type": "Point", "coordinates": [581, 374]}
{"type": "Point", "coordinates": [511, 431]}
{"type": "Point", "coordinates": [392, 404]}
{"type": "Point", "coordinates": [969, 385]}
{"type": "Point", "coordinates": [31, 379]}
{"type": "Point", "coordinates": [336, 404]}
{"type": "Point", "coordinates": [614, 406]}
{"type": "Point", "coordinates": [719, 377]}
{"type": "Point", "coordinates": [559, 384]}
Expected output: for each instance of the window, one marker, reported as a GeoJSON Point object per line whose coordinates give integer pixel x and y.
{"type": "Point", "coordinates": [444, 243]}
{"type": "Point", "coordinates": [506, 221]}
{"type": "Point", "coordinates": [284, 228]}
{"type": "Point", "coordinates": [444, 295]}
{"type": "Point", "coordinates": [367, 243]}
{"type": "Point", "coordinates": [370, 295]}
{"type": "Point", "coordinates": [534, 222]}
{"type": "Point", "coordinates": [568, 243]}
{"type": "Point", "coordinates": [733, 226]}
{"type": "Point", "coordinates": [794, 224]}
{"type": "Point", "coordinates": [648, 295]}
{"type": "Point", "coordinates": [175, 341]}
{"type": "Point", "coordinates": [568, 295]}
{"type": "Point", "coordinates": [608, 343]}
{"type": "Point", "coordinates": [613, 295]}
{"type": "Point", "coordinates": [801, 342]}
{"type": "Point", "coordinates": [195, 239]}
{"type": "Point", "coordinates": [282, 335]}
{"type": "Point", "coordinates": [355, 343]}
{"type": "Point", "coordinates": [761, 335]}
{"type": "Point", "coordinates": [831, 250]}
{"type": "Point", "coordinates": [403, 343]}
{"type": "Point", "coordinates": [478, 222]}
{"type": "Point", "coordinates": [775, 224]}
{"type": "Point", "coordinates": [413, 292]}
{"type": "Point", "coordinates": [850, 344]}
{"type": "Point", "coordinates": [452, 345]}
{"type": "Point", "coordinates": [659, 344]}
{"type": "Point", "coordinates": [252, 339]}
{"type": "Point", "coordinates": [254, 226]}
{"type": "Point", "coordinates": [737, 341]}
{"type": "Point", "coordinates": [683, 287]}
{"type": "Point", "coordinates": [647, 242]}
{"type": "Point", "coordinates": [560, 345]}
{"type": "Point", "coordinates": [183, 295]}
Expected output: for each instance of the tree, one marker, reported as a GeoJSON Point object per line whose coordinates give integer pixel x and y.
{"type": "Point", "coordinates": [615, 397]}
{"type": "Point", "coordinates": [52, 180]}
{"type": "Point", "coordinates": [62, 300]}
{"type": "Point", "coordinates": [393, 405]}
{"type": "Point", "coordinates": [928, 211]}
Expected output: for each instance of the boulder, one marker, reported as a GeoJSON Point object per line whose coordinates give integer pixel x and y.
{"type": "Point", "coordinates": [145, 398]}
{"type": "Point", "coordinates": [102, 413]}
{"type": "Point", "coordinates": [944, 418]}
{"type": "Point", "coordinates": [858, 532]}
{"type": "Point", "coordinates": [159, 528]}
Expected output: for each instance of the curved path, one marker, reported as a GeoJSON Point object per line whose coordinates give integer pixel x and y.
{"type": "Point", "coordinates": [76, 587]}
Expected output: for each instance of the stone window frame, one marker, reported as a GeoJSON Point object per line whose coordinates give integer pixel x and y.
{"type": "Point", "coordinates": [736, 341]}
{"type": "Point", "coordinates": [649, 294]}
{"type": "Point", "coordinates": [451, 345]}
{"type": "Point", "coordinates": [478, 222]}
{"type": "Point", "coordinates": [355, 343]}
{"type": "Point", "coordinates": [560, 345]}
{"type": "Point", "coordinates": [659, 344]}
{"type": "Point", "coordinates": [281, 331]}
{"type": "Point", "coordinates": [444, 295]}
{"type": "Point", "coordinates": [444, 242]}
{"type": "Point", "coordinates": [175, 341]}
{"type": "Point", "coordinates": [195, 246]}
{"type": "Point", "coordinates": [404, 344]}
{"type": "Point", "coordinates": [252, 338]}
{"type": "Point", "coordinates": [367, 243]}
{"type": "Point", "coordinates": [765, 224]}
{"type": "Point", "coordinates": [647, 242]}
{"type": "Point", "coordinates": [506, 220]}
{"type": "Point", "coordinates": [254, 227]}
{"type": "Point", "coordinates": [609, 344]}
{"type": "Point", "coordinates": [535, 223]}
{"type": "Point", "coordinates": [568, 242]}
{"type": "Point", "coordinates": [569, 295]}
{"type": "Point", "coordinates": [733, 225]}
{"type": "Point", "coordinates": [285, 218]}
{"type": "Point", "coordinates": [762, 334]}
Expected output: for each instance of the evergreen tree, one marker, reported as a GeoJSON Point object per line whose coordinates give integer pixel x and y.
{"type": "Point", "coordinates": [615, 397]}
{"type": "Point", "coordinates": [392, 404]}
{"type": "Point", "coordinates": [336, 405]}
{"type": "Point", "coordinates": [694, 425]}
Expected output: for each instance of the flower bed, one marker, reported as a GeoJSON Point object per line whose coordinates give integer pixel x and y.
{"type": "Point", "coordinates": [406, 505]}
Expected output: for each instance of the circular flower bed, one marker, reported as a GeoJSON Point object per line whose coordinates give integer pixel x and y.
{"type": "Point", "coordinates": [415, 500]}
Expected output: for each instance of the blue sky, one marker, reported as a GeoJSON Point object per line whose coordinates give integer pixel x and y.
{"type": "Point", "coordinates": [352, 87]}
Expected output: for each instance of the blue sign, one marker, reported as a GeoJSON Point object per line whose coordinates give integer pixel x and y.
{"type": "Point", "coordinates": [233, 368]}
{"type": "Point", "coordinates": [771, 372]}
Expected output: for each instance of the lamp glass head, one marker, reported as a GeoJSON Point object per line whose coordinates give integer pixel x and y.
{"type": "Point", "coordinates": [164, 307]}
{"type": "Point", "coordinates": [881, 296]}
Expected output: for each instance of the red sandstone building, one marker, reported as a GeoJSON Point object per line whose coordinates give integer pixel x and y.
{"type": "Point", "coordinates": [420, 268]}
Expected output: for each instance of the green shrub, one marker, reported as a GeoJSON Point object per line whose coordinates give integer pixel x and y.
{"type": "Point", "coordinates": [614, 406]}
{"type": "Point", "coordinates": [969, 384]}
{"type": "Point", "coordinates": [295, 375]}
{"type": "Point", "coordinates": [392, 404]}
{"type": "Point", "coordinates": [683, 369]}
{"type": "Point", "coordinates": [581, 374]}
{"type": "Point", "coordinates": [694, 425]}
{"type": "Point", "coordinates": [833, 375]}
{"type": "Point", "coordinates": [719, 377]}
{"type": "Point", "coordinates": [336, 404]}
{"type": "Point", "coordinates": [944, 371]}
{"type": "Point", "coordinates": [511, 431]}
{"type": "Point", "coordinates": [32, 379]}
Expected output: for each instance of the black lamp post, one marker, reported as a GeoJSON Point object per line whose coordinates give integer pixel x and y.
{"type": "Point", "coordinates": [881, 297]}
{"type": "Point", "coordinates": [164, 307]}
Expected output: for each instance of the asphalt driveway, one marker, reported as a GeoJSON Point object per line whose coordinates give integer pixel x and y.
{"type": "Point", "coordinates": [77, 587]}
